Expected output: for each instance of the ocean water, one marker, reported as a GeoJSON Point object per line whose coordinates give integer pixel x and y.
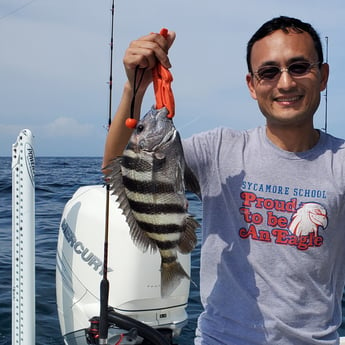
{"type": "Point", "coordinates": [56, 180]}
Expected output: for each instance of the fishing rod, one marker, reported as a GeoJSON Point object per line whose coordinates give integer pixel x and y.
{"type": "Point", "coordinates": [326, 93]}
{"type": "Point", "coordinates": [97, 333]}
{"type": "Point", "coordinates": [104, 286]}
{"type": "Point", "coordinates": [111, 63]}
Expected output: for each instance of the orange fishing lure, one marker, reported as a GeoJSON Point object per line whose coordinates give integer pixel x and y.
{"type": "Point", "coordinates": [162, 79]}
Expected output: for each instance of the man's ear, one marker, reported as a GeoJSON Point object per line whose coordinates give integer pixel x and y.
{"type": "Point", "coordinates": [250, 79]}
{"type": "Point", "coordinates": [324, 76]}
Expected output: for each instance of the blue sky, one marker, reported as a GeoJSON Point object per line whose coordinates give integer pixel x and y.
{"type": "Point", "coordinates": [54, 65]}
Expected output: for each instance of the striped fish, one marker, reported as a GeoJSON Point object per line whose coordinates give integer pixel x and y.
{"type": "Point", "coordinates": [150, 180]}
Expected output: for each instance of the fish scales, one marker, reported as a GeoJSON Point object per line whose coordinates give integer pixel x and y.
{"type": "Point", "coordinates": [150, 181]}
{"type": "Point", "coordinates": [147, 187]}
{"type": "Point", "coordinates": [160, 228]}
{"type": "Point", "coordinates": [157, 208]}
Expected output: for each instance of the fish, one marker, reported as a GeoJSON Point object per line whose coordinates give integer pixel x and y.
{"type": "Point", "coordinates": [150, 181]}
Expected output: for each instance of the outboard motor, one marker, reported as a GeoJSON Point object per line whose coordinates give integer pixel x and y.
{"type": "Point", "coordinates": [134, 277]}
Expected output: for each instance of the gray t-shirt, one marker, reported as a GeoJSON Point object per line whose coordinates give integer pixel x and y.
{"type": "Point", "coordinates": [273, 239]}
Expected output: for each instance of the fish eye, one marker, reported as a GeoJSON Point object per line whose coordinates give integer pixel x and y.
{"type": "Point", "coordinates": [140, 128]}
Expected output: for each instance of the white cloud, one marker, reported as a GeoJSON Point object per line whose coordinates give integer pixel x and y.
{"type": "Point", "coordinates": [66, 127]}
{"type": "Point", "coordinates": [62, 136]}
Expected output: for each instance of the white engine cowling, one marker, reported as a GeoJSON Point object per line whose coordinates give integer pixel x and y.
{"type": "Point", "coordinates": [134, 276]}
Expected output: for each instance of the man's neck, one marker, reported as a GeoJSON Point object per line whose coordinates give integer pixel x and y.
{"type": "Point", "coordinates": [296, 139]}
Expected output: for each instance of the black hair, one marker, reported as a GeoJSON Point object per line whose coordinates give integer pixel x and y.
{"type": "Point", "coordinates": [285, 24]}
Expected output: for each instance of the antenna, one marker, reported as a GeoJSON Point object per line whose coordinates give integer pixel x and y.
{"type": "Point", "coordinates": [326, 90]}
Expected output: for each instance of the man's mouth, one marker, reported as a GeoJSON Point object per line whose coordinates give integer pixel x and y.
{"type": "Point", "coordinates": [288, 100]}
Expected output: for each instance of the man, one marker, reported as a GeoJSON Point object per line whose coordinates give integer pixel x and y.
{"type": "Point", "coordinates": [272, 258]}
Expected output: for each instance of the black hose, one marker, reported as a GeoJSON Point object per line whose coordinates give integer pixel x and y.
{"type": "Point", "coordinates": [144, 331]}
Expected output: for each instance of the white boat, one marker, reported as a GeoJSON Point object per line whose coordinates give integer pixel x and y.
{"type": "Point", "coordinates": [134, 276]}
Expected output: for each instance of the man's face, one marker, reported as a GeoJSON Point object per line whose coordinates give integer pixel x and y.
{"type": "Point", "coordinates": [287, 100]}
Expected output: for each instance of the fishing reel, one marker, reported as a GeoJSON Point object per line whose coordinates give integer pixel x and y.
{"type": "Point", "coordinates": [92, 334]}
{"type": "Point", "coordinates": [129, 331]}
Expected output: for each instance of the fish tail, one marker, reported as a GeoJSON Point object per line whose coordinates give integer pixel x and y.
{"type": "Point", "coordinates": [171, 275]}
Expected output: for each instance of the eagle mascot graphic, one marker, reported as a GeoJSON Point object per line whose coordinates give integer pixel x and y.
{"type": "Point", "coordinates": [308, 218]}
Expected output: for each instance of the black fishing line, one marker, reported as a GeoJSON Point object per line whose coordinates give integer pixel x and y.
{"type": "Point", "coordinates": [136, 87]}
{"type": "Point", "coordinates": [17, 10]}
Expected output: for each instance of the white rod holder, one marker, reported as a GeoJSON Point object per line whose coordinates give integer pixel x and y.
{"type": "Point", "coordinates": [23, 240]}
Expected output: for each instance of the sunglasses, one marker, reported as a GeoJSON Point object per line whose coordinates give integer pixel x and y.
{"type": "Point", "coordinates": [296, 69]}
